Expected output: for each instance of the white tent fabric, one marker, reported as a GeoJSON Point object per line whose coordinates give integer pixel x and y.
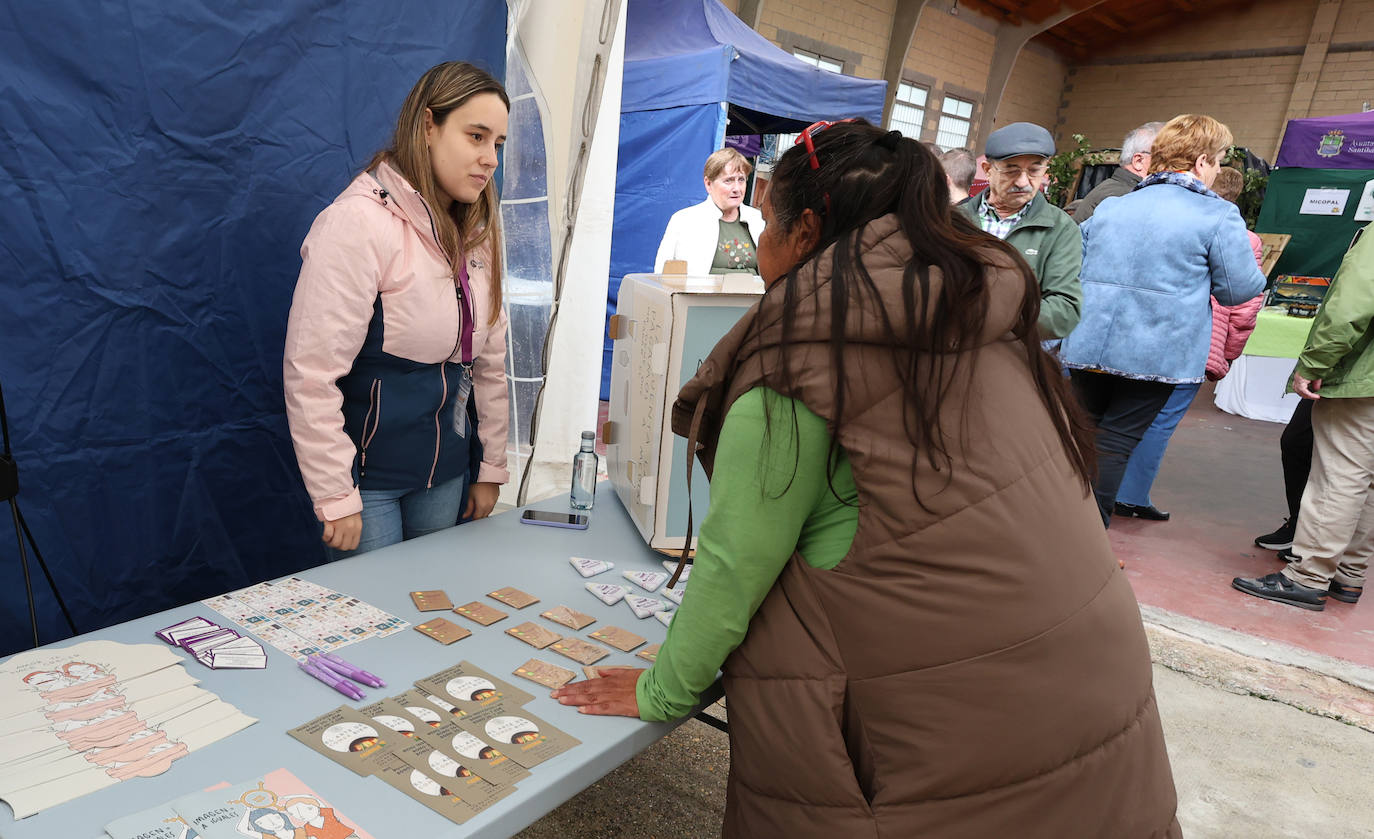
{"type": "Point", "coordinates": [577, 82]}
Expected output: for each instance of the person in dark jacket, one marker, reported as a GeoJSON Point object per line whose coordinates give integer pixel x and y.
{"type": "Point", "coordinates": [1014, 209]}
{"type": "Point", "coordinates": [1135, 164]}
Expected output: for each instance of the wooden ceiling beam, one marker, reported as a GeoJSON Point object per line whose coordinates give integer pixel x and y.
{"type": "Point", "coordinates": [1108, 21]}
{"type": "Point", "coordinates": [992, 10]}
{"type": "Point", "coordinates": [1038, 10]}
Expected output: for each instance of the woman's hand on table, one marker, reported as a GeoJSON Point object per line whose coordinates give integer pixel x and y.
{"type": "Point", "coordinates": [481, 499]}
{"type": "Point", "coordinates": [611, 695]}
{"type": "Point", "coordinates": [343, 534]}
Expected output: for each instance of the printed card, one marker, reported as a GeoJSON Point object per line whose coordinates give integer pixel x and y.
{"type": "Point", "coordinates": [649, 653]}
{"type": "Point", "coordinates": [571, 618]}
{"type": "Point", "coordinates": [346, 737]}
{"type": "Point", "coordinates": [665, 618]}
{"type": "Point", "coordinates": [579, 651]}
{"type": "Point", "coordinates": [548, 675]}
{"type": "Point", "coordinates": [525, 738]}
{"type": "Point", "coordinates": [393, 717]}
{"type": "Point", "coordinates": [471, 688]}
{"type": "Point", "coordinates": [608, 593]}
{"type": "Point", "coordinates": [394, 770]}
{"type": "Point", "coordinates": [455, 775]}
{"type": "Point", "coordinates": [424, 708]}
{"type": "Point", "coordinates": [443, 630]}
{"type": "Point", "coordinates": [675, 593]}
{"type": "Point", "coordinates": [433, 600]}
{"type": "Point", "coordinates": [513, 597]}
{"type": "Point", "coordinates": [647, 580]}
{"type": "Point", "coordinates": [590, 567]}
{"type": "Point", "coordinates": [643, 607]}
{"type": "Point", "coordinates": [533, 634]}
{"type": "Point", "coordinates": [461, 744]}
{"type": "Point", "coordinates": [481, 612]}
{"type": "Point", "coordinates": [621, 639]}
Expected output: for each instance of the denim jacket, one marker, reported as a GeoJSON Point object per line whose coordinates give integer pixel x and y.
{"type": "Point", "coordinates": [1151, 261]}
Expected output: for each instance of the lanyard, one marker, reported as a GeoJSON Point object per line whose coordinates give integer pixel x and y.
{"type": "Point", "coordinates": [465, 311]}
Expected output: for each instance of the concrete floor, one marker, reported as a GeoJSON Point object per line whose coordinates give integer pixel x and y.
{"type": "Point", "coordinates": [1244, 767]}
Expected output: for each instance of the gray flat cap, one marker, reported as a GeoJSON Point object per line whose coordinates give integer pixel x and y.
{"type": "Point", "coordinates": [1019, 138]}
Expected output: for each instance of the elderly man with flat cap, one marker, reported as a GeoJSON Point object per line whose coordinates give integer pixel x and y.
{"type": "Point", "coordinates": [1013, 208]}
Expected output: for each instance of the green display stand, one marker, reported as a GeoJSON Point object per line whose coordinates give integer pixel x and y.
{"type": "Point", "coordinates": [1318, 242]}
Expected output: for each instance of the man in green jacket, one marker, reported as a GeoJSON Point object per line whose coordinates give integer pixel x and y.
{"type": "Point", "coordinates": [1013, 208]}
{"type": "Point", "coordinates": [1335, 536]}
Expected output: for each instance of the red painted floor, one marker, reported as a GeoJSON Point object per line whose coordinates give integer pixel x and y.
{"type": "Point", "coordinates": [1222, 481]}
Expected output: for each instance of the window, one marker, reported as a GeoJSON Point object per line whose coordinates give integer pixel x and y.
{"type": "Point", "coordinates": [956, 121]}
{"type": "Point", "coordinates": [908, 110]}
{"type": "Point", "coordinates": [834, 65]}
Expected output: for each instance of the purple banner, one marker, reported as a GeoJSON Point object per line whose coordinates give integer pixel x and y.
{"type": "Point", "coordinates": [748, 145]}
{"type": "Point", "coordinates": [1339, 142]}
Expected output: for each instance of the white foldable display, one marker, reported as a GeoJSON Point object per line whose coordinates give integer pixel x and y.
{"type": "Point", "coordinates": [664, 327]}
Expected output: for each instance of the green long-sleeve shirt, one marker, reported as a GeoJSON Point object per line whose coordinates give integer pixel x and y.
{"type": "Point", "coordinates": [770, 497]}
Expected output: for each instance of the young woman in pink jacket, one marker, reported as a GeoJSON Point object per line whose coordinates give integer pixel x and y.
{"type": "Point", "coordinates": [396, 343]}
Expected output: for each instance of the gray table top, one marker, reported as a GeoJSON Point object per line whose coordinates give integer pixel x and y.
{"type": "Point", "coordinates": [466, 562]}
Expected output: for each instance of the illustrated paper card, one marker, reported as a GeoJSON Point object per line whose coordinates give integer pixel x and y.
{"type": "Point", "coordinates": [579, 651]}
{"type": "Point", "coordinates": [346, 737]}
{"type": "Point", "coordinates": [277, 804]}
{"type": "Point", "coordinates": [396, 772]}
{"type": "Point", "coordinates": [571, 618]}
{"type": "Point", "coordinates": [469, 687]}
{"type": "Point", "coordinates": [649, 653]}
{"type": "Point", "coordinates": [527, 739]}
{"type": "Point", "coordinates": [533, 634]}
{"type": "Point", "coordinates": [675, 593]}
{"type": "Point", "coordinates": [393, 717]}
{"type": "Point", "coordinates": [492, 763]}
{"type": "Point", "coordinates": [444, 631]}
{"type": "Point", "coordinates": [455, 775]}
{"type": "Point", "coordinates": [481, 612]}
{"type": "Point", "coordinates": [665, 618]}
{"type": "Point", "coordinates": [548, 675]}
{"type": "Point", "coordinates": [590, 567]}
{"type": "Point", "coordinates": [513, 597]}
{"type": "Point", "coordinates": [161, 822]}
{"type": "Point", "coordinates": [422, 708]}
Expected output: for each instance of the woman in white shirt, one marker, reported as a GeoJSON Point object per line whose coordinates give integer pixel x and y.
{"type": "Point", "coordinates": [717, 236]}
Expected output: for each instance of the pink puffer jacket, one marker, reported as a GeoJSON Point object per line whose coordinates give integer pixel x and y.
{"type": "Point", "coordinates": [1232, 325]}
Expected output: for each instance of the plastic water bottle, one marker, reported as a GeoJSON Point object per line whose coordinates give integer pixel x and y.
{"type": "Point", "coordinates": [584, 473]}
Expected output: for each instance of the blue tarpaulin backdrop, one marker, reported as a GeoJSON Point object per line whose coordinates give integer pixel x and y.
{"type": "Point", "coordinates": [159, 165]}
{"type": "Point", "coordinates": [690, 64]}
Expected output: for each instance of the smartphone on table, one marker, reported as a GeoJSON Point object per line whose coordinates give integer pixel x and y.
{"type": "Point", "coordinates": [572, 521]}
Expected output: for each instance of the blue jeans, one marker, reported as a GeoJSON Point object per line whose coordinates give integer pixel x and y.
{"type": "Point", "coordinates": [1143, 466]}
{"type": "Point", "coordinates": [395, 515]}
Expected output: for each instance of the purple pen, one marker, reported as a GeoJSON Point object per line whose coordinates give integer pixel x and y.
{"type": "Point", "coordinates": [329, 679]}
{"type": "Point", "coordinates": [343, 668]}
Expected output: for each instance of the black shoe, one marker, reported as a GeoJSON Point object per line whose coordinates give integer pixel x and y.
{"type": "Point", "coordinates": [1148, 512]}
{"type": "Point", "coordinates": [1287, 555]}
{"type": "Point", "coordinates": [1283, 590]}
{"type": "Point", "coordinates": [1279, 539]}
{"type": "Point", "coordinates": [1345, 594]}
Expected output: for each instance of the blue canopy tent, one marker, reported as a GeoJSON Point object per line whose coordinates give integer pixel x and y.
{"type": "Point", "coordinates": [694, 73]}
{"type": "Point", "coordinates": [160, 171]}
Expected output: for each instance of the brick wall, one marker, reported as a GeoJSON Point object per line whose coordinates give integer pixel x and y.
{"type": "Point", "coordinates": [857, 30]}
{"type": "Point", "coordinates": [1239, 66]}
{"type": "Point", "coordinates": [1035, 88]}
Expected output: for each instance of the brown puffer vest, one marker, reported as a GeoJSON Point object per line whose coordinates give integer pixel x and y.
{"type": "Point", "coordinates": [975, 670]}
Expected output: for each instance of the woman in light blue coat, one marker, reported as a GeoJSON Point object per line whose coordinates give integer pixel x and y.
{"type": "Point", "coordinates": [1152, 259]}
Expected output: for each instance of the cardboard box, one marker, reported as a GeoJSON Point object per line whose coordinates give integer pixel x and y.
{"type": "Point", "coordinates": [663, 328]}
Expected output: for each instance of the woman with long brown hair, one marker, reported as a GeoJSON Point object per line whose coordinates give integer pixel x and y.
{"type": "Point", "coordinates": [902, 574]}
{"type": "Point", "coordinates": [396, 343]}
